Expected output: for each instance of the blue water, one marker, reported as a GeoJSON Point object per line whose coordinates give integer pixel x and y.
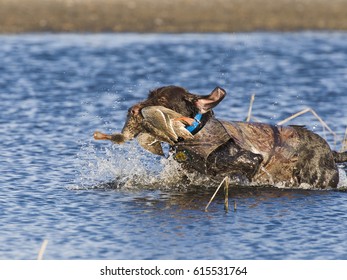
{"type": "Point", "coordinates": [57, 89]}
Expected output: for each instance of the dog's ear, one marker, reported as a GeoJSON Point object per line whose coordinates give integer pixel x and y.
{"type": "Point", "coordinates": [206, 103]}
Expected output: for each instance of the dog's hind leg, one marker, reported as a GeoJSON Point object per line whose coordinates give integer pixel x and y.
{"type": "Point", "coordinates": [316, 164]}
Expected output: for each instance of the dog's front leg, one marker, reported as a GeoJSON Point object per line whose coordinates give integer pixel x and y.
{"type": "Point", "coordinates": [234, 161]}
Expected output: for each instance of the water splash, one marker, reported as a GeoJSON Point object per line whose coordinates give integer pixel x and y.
{"type": "Point", "coordinates": [114, 166]}
{"type": "Point", "coordinates": [173, 175]}
{"type": "Point", "coordinates": [129, 166]}
{"type": "Point", "coordinates": [343, 178]}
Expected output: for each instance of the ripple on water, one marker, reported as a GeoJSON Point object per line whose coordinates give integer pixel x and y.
{"type": "Point", "coordinates": [56, 89]}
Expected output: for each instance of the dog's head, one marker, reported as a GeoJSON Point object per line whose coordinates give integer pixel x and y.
{"type": "Point", "coordinates": [174, 98]}
{"type": "Point", "coordinates": [180, 100]}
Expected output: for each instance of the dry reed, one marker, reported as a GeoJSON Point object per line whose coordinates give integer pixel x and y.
{"type": "Point", "coordinates": [310, 110]}
{"type": "Point", "coordinates": [226, 186]}
{"type": "Point", "coordinates": [249, 115]}
{"type": "Point", "coordinates": [344, 142]}
{"type": "Point", "coordinates": [42, 249]}
{"type": "Point", "coordinates": [226, 193]}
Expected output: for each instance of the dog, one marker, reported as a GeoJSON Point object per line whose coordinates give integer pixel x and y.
{"type": "Point", "coordinates": [256, 153]}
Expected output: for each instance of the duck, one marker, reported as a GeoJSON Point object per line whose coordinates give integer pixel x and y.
{"type": "Point", "coordinates": [165, 124]}
{"type": "Point", "coordinates": [159, 124]}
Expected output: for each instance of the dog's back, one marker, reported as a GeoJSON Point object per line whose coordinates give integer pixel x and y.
{"type": "Point", "coordinates": [292, 155]}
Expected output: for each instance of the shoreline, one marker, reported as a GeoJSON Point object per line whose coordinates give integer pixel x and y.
{"type": "Point", "coordinates": [171, 16]}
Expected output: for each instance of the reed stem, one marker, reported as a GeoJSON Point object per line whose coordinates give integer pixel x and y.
{"type": "Point", "coordinates": [344, 142]}
{"type": "Point", "coordinates": [250, 108]}
{"type": "Point", "coordinates": [213, 196]}
{"type": "Point", "coordinates": [314, 114]}
{"type": "Point", "coordinates": [42, 249]}
{"type": "Point", "coordinates": [226, 193]}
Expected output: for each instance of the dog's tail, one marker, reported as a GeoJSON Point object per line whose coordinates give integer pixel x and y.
{"type": "Point", "coordinates": [340, 157]}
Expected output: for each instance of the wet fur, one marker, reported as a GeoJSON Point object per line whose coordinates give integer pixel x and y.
{"type": "Point", "coordinates": [311, 161]}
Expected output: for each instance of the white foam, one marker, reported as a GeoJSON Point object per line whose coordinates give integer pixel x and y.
{"type": "Point", "coordinates": [173, 175]}
{"type": "Point", "coordinates": [129, 166]}
{"type": "Point", "coordinates": [120, 164]}
{"type": "Point", "coordinates": [343, 178]}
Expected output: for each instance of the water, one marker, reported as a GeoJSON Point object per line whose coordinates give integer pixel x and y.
{"type": "Point", "coordinates": [57, 89]}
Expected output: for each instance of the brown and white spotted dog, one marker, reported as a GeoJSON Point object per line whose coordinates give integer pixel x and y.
{"type": "Point", "coordinates": [257, 152]}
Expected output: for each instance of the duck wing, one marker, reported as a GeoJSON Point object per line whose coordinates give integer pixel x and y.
{"type": "Point", "coordinates": [159, 121]}
{"type": "Point", "coordinates": [176, 121]}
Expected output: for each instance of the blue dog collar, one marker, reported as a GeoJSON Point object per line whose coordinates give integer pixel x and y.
{"type": "Point", "coordinates": [197, 120]}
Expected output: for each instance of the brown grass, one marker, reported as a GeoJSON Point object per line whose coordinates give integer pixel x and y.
{"type": "Point", "coordinates": [171, 15]}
